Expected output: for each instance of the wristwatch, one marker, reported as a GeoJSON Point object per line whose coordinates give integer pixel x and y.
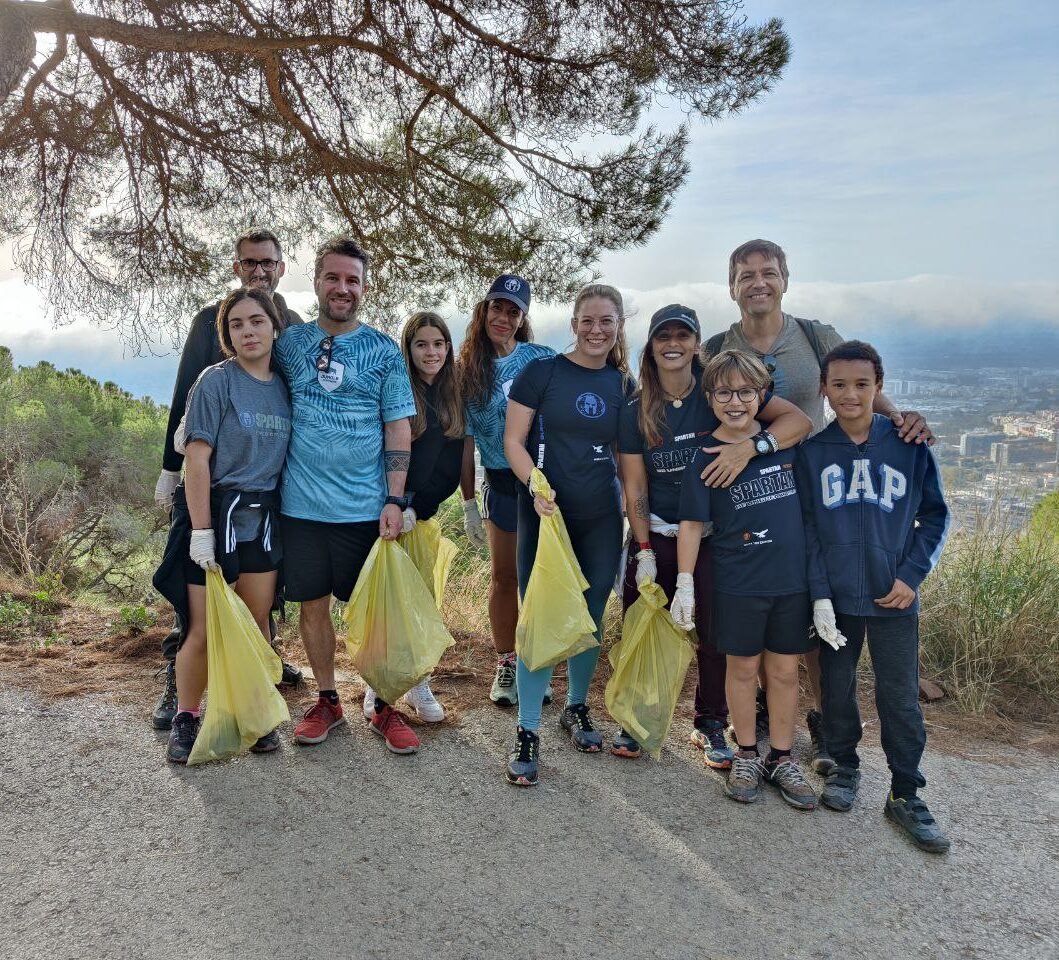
{"type": "Point", "coordinates": [764, 442]}
{"type": "Point", "coordinates": [403, 502]}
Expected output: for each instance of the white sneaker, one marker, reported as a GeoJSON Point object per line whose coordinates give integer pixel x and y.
{"type": "Point", "coordinates": [369, 703]}
{"type": "Point", "coordinates": [426, 707]}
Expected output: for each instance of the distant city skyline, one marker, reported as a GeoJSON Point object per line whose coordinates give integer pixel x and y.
{"type": "Point", "coordinates": [906, 161]}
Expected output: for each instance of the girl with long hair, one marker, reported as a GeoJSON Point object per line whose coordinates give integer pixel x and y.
{"type": "Point", "coordinates": [669, 419]}
{"type": "Point", "coordinates": [496, 348]}
{"type": "Point", "coordinates": [576, 399]}
{"type": "Point", "coordinates": [225, 512]}
{"type": "Point", "coordinates": [437, 451]}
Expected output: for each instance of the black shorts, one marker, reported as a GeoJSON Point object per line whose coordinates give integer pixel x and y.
{"type": "Point", "coordinates": [748, 626]}
{"type": "Point", "coordinates": [500, 499]}
{"type": "Point", "coordinates": [324, 558]}
{"type": "Point", "coordinates": [253, 558]}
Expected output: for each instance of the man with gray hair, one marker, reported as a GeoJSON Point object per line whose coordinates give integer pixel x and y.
{"type": "Point", "coordinates": [792, 349]}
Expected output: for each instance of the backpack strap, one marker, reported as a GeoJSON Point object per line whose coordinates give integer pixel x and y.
{"type": "Point", "coordinates": [713, 345]}
{"type": "Point", "coordinates": [808, 328]}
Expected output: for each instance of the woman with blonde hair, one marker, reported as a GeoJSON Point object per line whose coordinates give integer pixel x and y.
{"type": "Point", "coordinates": [576, 400]}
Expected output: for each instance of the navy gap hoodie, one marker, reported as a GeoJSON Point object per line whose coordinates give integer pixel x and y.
{"type": "Point", "coordinates": [873, 514]}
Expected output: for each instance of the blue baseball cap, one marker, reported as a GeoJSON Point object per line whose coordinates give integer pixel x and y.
{"type": "Point", "coordinates": [674, 313]}
{"type": "Point", "coordinates": [509, 287]}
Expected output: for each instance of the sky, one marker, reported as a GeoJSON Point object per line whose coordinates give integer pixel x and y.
{"type": "Point", "coordinates": [906, 161]}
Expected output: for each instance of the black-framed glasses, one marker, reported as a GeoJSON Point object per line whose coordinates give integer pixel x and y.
{"type": "Point", "coordinates": [724, 395]}
{"type": "Point", "coordinates": [323, 362]}
{"type": "Point", "coordinates": [251, 265]}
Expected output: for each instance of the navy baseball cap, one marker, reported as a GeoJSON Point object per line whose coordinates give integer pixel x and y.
{"type": "Point", "coordinates": [509, 287]}
{"type": "Point", "coordinates": [674, 313]}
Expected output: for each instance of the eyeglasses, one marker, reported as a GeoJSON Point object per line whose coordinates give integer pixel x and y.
{"type": "Point", "coordinates": [605, 324]}
{"type": "Point", "coordinates": [323, 362]}
{"type": "Point", "coordinates": [251, 265]}
{"type": "Point", "coordinates": [745, 394]}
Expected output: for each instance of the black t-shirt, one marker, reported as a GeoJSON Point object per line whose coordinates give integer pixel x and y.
{"type": "Point", "coordinates": [572, 436]}
{"type": "Point", "coordinates": [434, 467]}
{"type": "Point", "coordinates": [758, 541]}
{"type": "Point", "coordinates": [683, 431]}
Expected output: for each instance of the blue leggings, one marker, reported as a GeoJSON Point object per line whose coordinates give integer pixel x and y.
{"type": "Point", "coordinates": [597, 546]}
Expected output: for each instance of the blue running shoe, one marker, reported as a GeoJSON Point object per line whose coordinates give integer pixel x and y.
{"type": "Point", "coordinates": [625, 745]}
{"type": "Point", "coordinates": [711, 740]}
{"type": "Point", "coordinates": [522, 763]}
{"type": "Point", "coordinates": [840, 788]}
{"type": "Point", "coordinates": [575, 721]}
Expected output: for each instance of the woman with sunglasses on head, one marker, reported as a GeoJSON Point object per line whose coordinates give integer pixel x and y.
{"type": "Point", "coordinates": [496, 348]}
{"type": "Point", "coordinates": [575, 400]}
{"type": "Point", "coordinates": [437, 451]}
{"type": "Point", "coordinates": [669, 419]}
{"type": "Point", "coordinates": [224, 515]}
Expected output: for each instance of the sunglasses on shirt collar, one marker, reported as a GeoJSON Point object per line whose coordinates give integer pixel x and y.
{"type": "Point", "coordinates": [323, 362]}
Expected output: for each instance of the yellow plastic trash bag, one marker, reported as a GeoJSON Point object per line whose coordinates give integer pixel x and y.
{"type": "Point", "coordinates": [243, 703]}
{"type": "Point", "coordinates": [431, 553]}
{"type": "Point", "coordinates": [554, 622]}
{"type": "Point", "coordinates": [396, 636]}
{"type": "Point", "coordinates": [649, 664]}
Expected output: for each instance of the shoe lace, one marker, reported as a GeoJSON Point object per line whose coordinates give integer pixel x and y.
{"type": "Point", "coordinates": [528, 745]}
{"type": "Point", "coordinates": [789, 774]}
{"type": "Point", "coordinates": [715, 735]}
{"type": "Point", "coordinates": [579, 711]}
{"type": "Point", "coordinates": [748, 768]}
{"type": "Point", "coordinates": [505, 674]}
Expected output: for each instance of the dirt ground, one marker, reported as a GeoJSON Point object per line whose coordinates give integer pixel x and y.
{"type": "Point", "coordinates": [345, 850]}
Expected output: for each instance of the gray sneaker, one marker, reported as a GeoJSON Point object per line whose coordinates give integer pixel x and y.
{"type": "Point", "coordinates": [504, 692]}
{"type": "Point", "coordinates": [912, 816]}
{"type": "Point", "coordinates": [744, 779]}
{"type": "Point", "coordinates": [822, 761]}
{"type": "Point", "coordinates": [840, 790]}
{"type": "Point", "coordinates": [787, 777]}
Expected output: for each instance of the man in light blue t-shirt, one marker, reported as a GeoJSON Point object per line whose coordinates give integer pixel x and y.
{"type": "Point", "coordinates": [344, 479]}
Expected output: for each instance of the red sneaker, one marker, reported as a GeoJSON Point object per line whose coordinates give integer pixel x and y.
{"type": "Point", "coordinates": [319, 720]}
{"type": "Point", "coordinates": [391, 726]}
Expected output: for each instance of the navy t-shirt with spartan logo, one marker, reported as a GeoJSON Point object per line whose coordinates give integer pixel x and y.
{"type": "Point", "coordinates": [572, 436]}
{"type": "Point", "coordinates": [758, 540]}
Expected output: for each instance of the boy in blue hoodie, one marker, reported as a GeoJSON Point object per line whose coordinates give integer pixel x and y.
{"type": "Point", "coordinates": [875, 525]}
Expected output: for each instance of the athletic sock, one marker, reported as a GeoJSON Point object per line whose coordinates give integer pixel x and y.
{"type": "Point", "coordinates": [508, 658]}
{"type": "Point", "coordinates": [752, 749]}
{"type": "Point", "coordinates": [197, 713]}
{"type": "Point", "coordinates": [776, 755]}
{"type": "Point", "coordinates": [331, 696]}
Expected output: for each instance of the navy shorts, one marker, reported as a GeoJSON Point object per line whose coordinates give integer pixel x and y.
{"type": "Point", "coordinates": [500, 499]}
{"type": "Point", "coordinates": [324, 558]}
{"type": "Point", "coordinates": [253, 558]}
{"type": "Point", "coordinates": [748, 626]}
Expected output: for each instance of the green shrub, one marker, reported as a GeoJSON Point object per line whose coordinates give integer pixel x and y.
{"type": "Point", "coordinates": [990, 616]}
{"type": "Point", "coordinates": [134, 619]}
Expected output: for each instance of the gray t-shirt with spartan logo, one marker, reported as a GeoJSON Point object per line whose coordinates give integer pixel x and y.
{"type": "Point", "coordinates": [247, 422]}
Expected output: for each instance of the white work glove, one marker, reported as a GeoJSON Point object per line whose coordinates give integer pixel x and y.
{"type": "Point", "coordinates": [682, 609]}
{"type": "Point", "coordinates": [180, 436]}
{"type": "Point", "coordinates": [472, 523]}
{"type": "Point", "coordinates": [646, 568]}
{"type": "Point", "coordinates": [165, 487]}
{"type": "Point", "coordinates": [408, 520]}
{"type": "Point", "coordinates": [203, 549]}
{"type": "Point", "coordinates": [826, 627]}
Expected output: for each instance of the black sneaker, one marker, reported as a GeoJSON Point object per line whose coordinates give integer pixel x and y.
{"type": "Point", "coordinates": [840, 789]}
{"type": "Point", "coordinates": [761, 717]}
{"type": "Point", "coordinates": [182, 737]}
{"type": "Point", "coordinates": [166, 708]}
{"type": "Point", "coordinates": [626, 745]}
{"type": "Point", "coordinates": [291, 677]}
{"type": "Point", "coordinates": [822, 761]}
{"type": "Point", "coordinates": [522, 761]}
{"type": "Point", "coordinates": [915, 819]}
{"type": "Point", "coordinates": [575, 721]}
{"type": "Point", "coordinates": [267, 743]}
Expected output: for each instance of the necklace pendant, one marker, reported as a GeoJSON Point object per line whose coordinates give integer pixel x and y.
{"type": "Point", "coordinates": [678, 403]}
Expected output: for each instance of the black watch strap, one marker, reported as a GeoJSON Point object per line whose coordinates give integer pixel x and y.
{"type": "Point", "coordinates": [403, 502]}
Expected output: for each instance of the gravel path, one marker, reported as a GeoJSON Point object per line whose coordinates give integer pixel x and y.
{"type": "Point", "coordinates": [343, 850]}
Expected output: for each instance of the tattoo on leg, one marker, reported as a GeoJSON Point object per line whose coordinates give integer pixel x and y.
{"type": "Point", "coordinates": [643, 512]}
{"type": "Point", "coordinates": [397, 460]}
